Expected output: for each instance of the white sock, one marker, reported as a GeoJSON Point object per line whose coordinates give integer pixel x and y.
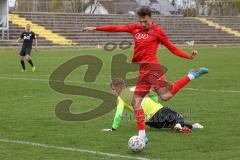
{"type": "Point", "coordinates": [197, 126]}
{"type": "Point", "coordinates": [191, 77]}
{"type": "Point", "coordinates": [141, 133]}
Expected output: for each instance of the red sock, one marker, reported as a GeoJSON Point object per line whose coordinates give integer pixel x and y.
{"type": "Point", "coordinates": [177, 85]}
{"type": "Point", "coordinates": [140, 119]}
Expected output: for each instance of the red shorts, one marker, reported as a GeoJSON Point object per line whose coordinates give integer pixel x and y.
{"type": "Point", "coordinates": [150, 76]}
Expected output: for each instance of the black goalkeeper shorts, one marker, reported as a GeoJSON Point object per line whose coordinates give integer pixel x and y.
{"type": "Point", "coordinates": [25, 51]}
{"type": "Point", "coordinates": [164, 118]}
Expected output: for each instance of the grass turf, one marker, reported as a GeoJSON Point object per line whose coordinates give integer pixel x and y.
{"type": "Point", "coordinates": [28, 104]}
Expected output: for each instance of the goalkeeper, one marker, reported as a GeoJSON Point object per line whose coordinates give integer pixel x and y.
{"type": "Point", "coordinates": [156, 115]}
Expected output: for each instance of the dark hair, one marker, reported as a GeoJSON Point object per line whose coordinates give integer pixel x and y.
{"type": "Point", "coordinates": [117, 81]}
{"type": "Point", "coordinates": [144, 11]}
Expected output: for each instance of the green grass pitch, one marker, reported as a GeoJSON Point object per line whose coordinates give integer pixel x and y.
{"type": "Point", "coordinates": [28, 103]}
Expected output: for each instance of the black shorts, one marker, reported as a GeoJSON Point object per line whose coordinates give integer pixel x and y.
{"type": "Point", "coordinates": [164, 118]}
{"type": "Point", "coordinates": [25, 51]}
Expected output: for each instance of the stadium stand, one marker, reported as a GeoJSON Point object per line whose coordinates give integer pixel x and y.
{"type": "Point", "coordinates": [222, 26]}
{"type": "Point", "coordinates": [40, 30]}
{"type": "Point", "coordinates": [68, 26]}
{"type": "Point", "coordinates": [231, 22]}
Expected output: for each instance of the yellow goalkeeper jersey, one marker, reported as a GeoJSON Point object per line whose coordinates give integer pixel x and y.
{"type": "Point", "coordinates": [149, 106]}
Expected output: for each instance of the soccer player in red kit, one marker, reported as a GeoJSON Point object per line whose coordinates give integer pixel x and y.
{"type": "Point", "coordinates": [147, 36]}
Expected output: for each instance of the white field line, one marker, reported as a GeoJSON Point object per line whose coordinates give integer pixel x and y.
{"type": "Point", "coordinates": [78, 82]}
{"type": "Point", "coordinates": [24, 79]}
{"type": "Point", "coordinates": [39, 145]}
{"type": "Point", "coordinates": [211, 90]}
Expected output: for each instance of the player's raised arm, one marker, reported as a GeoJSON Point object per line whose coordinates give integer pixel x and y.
{"type": "Point", "coordinates": [173, 49]}
{"type": "Point", "coordinates": [112, 28]}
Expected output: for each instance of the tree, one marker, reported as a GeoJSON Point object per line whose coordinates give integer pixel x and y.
{"type": "Point", "coordinates": [237, 5]}
{"type": "Point", "coordinates": [226, 7]}
{"type": "Point", "coordinates": [201, 4]}
{"type": "Point", "coordinates": [56, 6]}
{"type": "Point", "coordinates": [79, 6]}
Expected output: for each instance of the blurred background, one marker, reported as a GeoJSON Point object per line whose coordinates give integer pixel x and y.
{"type": "Point", "coordinates": [162, 7]}
{"type": "Point", "coordinates": [60, 22]}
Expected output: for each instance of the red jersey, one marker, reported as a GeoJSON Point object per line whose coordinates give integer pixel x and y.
{"type": "Point", "coordinates": [146, 41]}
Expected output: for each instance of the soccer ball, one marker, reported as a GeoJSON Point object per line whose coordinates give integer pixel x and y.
{"type": "Point", "coordinates": [136, 144]}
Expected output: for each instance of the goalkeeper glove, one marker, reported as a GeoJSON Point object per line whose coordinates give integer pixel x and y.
{"type": "Point", "coordinates": [108, 130]}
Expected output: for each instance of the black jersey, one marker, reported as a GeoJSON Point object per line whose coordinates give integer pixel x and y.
{"type": "Point", "coordinates": [28, 38]}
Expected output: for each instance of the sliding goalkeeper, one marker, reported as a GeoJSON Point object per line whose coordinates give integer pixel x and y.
{"type": "Point", "coordinates": [156, 115]}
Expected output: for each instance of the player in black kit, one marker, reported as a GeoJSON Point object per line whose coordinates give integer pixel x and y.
{"type": "Point", "coordinates": [27, 36]}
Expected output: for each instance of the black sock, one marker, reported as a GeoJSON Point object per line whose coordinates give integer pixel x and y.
{"type": "Point", "coordinates": [30, 62]}
{"type": "Point", "coordinates": [23, 65]}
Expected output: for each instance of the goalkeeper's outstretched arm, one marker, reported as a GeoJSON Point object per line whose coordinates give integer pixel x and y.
{"type": "Point", "coordinates": [118, 116]}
